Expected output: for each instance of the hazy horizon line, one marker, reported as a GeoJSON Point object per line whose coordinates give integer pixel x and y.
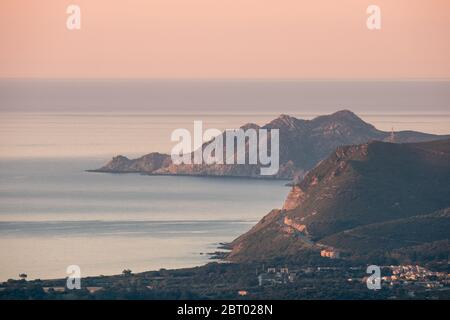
{"type": "Point", "coordinates": [431, 79]}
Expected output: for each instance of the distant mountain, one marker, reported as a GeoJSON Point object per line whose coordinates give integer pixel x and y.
{"type": "Point", "coordinates": [372, 196]}
{"type": "Point", "coordinates": [145, 164]}
{"type": "Point", "coordinates": [303, 143]}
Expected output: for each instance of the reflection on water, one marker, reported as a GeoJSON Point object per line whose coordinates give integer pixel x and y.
{"type": "Point", "coordinates": [54, 214]}
{"type": "Point", "coordinates": [106, 135]}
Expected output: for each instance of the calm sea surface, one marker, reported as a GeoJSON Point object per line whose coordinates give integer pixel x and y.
{"type": "Point", "coordinates": [54, 214]}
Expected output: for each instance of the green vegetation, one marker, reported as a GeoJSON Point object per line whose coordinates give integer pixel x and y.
{"type": "Point", "coordinates": [372, 202]}
{"type": "Point", "coordinates": [315, 278]}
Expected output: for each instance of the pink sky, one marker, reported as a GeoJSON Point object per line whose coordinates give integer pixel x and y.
{"type": "Point", "coordinates": [225, 39]}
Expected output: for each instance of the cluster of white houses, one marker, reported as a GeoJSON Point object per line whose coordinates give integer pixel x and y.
{"type": "Point", "coordinates": [272, 276]}
{"type": "Point", "coordinates": [330, 253]}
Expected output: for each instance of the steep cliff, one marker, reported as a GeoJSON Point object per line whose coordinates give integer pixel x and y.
{"type": "Point", "coordinates": [360, 193]}
{"type": "Point", "coordinates": [303, 143]}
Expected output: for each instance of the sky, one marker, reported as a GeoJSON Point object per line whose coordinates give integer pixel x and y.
{"type": "Point", "coordinates": [268, 39]}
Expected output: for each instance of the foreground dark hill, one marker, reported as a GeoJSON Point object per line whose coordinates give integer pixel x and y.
{"type": "Point", "coordinates": [394, 234]}
{"type": "Point", "coordinates": [373, 196]}
{"type": "Point", "coordinates": [303, 143]}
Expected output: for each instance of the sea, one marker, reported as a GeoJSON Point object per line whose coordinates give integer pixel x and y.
{"type": "Point", "coordinates": [53, 213]}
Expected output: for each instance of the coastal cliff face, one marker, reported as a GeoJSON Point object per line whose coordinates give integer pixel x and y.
{"type": "Point", "coordinates": [294, 198]}
{"type": "Point", "coordinates": [286, 171]}
{"type": "Point", "coordinates": [145, 164]}
{"type": "Point", "coordinates": [161, 164]}
{"type": "Point", "coordinates": [356, 199]}
{"type": "Point", "coordinates": [303, 143]}
{"type": "Point", "coordinates": [271, 237]}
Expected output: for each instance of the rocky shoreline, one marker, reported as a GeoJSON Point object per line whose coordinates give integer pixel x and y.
{"type": "Point", "coordinates": [303, 144]}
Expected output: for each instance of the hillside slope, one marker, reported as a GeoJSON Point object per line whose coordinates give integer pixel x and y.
{"type": "Point", "coordinates": [303, 143]}
{"type": "Point", "coordinates": [360, 192]}
{"type": "Point", "coordinates": [394, 234]}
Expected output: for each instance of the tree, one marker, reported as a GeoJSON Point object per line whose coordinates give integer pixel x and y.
{"type": "Point", "coordinates": [126, 272]}
{"type": "Point", "coordinates": [23, 276]}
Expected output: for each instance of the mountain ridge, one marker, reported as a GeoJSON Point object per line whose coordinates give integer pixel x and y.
{"type": "Point", "coordinates": [303, 143]}
{"type": "Point", "coordinates": [358, 190]}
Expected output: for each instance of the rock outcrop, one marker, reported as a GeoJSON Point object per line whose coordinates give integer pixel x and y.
{"type": "Point", "coordinates": [360, 197]}
{"type": "Point", "coordinates": [303, 143]}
